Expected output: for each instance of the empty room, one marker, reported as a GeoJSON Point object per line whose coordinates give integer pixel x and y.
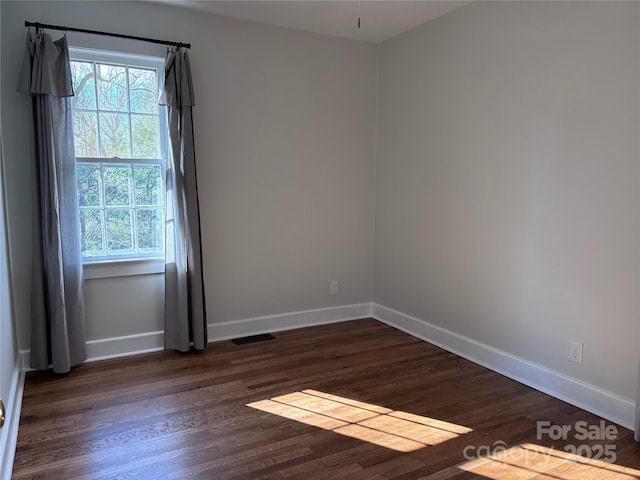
{"type": "Point", "coordinates": [320, 240]}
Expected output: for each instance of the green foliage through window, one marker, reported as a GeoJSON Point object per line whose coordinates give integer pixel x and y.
{"type": "Point", "coordinates": [121, 210]}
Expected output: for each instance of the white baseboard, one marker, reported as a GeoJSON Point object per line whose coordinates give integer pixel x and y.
{"type": "Point", "coordinates": [583, 395]}
{"type": "Point", "coordinates": [154, 341]}
{"type": "Point", "coordinates": [9, 432]}
{"type": "Point", "coordinates": [287, 321]}
{"type": "Point", "coordinates": [124, 346]}
{"type": "Point", "coordinates": [24, 360]}
{"type": "Point", "coordinates": [115, 347]}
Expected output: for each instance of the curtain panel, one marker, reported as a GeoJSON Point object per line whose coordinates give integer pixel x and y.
{"type": "Point", "coordinates": [636, 434]}
{"type": "Point", "coordinates": [57, 303]}
{"type": "Point", "coordinates": [185, 312]}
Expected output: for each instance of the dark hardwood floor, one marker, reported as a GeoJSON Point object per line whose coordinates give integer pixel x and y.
{"type": "Point", "coordinates": [355, 400]}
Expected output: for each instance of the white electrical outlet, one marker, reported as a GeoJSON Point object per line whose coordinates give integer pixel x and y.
{"type": "Point", "coordinates": [575, 351]}
{"type": "Point", "coordinates": [334, 288]}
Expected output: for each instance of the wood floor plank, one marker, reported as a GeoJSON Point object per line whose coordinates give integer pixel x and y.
{"type": "Point", "coordinates": [315, 403]}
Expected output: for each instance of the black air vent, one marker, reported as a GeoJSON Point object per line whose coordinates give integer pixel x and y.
{"type": "Point", "coordinates": [253, 338]}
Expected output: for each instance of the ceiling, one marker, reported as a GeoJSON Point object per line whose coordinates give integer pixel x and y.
{"type": "Point", "coordinates": [380, 19]}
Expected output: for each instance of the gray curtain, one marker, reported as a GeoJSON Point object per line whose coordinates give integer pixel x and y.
{"type": "Point", "coordinates": [57, 304]}
{"type": "Point", "coordinates": [185, 322]}
{"type": "Point", "coordinates": [637, 429]}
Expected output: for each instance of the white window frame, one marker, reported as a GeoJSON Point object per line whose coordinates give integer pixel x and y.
{"type": "Point", "coordinates": [104, 267]}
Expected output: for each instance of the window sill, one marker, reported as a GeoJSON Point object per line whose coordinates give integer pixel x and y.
{"type": "Point", "coordinates": [123, 268]}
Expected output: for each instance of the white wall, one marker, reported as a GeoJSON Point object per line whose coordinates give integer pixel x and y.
{"type": "Point", "coordinates": [507, 193]}
{"type": "Point", "coordinates": [9, 364]}
{"type": "Point", "coordinates": [507, 199]}
{"type": "Point", "coordinates": [285, 130]}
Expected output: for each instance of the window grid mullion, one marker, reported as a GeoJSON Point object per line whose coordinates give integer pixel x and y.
{"type": "Point", "coordinates": [99, 110]}
{"type": "Point", "coordinates": [95, 89]}
{"type": "Point", "coordinates": [103, 213]}
{"type": "Point", "coordinates": [116, 160]}
{"type": "Point", "coordinates": [134, 211]}
{"type": "Point", "coordinates": [126, 70]}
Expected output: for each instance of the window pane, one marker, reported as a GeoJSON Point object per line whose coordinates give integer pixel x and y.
{"type": "Point", "coordinates": [85, 134]}
{"type": "Point", "coordinates": [146, 135]}
{"type": "Point", "coordinates": [89, 185]}
{"type": "Point", "coordinates": [114, 135]}
{"type": "Point", "coordinates": [116, 116]}
{"type": "Point", "coordinates": [112, 88]}
{"type": "Point", "coordinates": [91, 239]}
{"type": "Point", "coordinates": [84, 85]}
{"type": "Point", "coordinates": [148, 184]}
{"type": "Point", "coordinates": [117, 185]}
{"type": "Point", "coordinates": [119, 232]}
{"type": "Point", "coordinates": [150, 230]}
{"type": "Point", "coordinates": [143, 90]}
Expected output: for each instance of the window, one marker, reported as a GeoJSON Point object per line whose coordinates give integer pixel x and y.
{"type": "Point", "coordinates": [120, 137]}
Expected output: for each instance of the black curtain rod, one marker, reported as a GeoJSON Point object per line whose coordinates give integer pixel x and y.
{"type": "Point", "coordinates": [108, 34]}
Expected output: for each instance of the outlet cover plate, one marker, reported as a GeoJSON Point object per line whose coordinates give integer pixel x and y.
{"type": "Point", "coordinates": [575, 351]}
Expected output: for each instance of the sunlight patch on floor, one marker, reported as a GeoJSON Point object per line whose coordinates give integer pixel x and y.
{"type": "Point", "coordinates": [527, 461]}
{"type": "Point", "coordinates": [396, 430]}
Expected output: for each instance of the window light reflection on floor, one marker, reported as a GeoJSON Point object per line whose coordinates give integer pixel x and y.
{"type": "Point", "coordinates": [400, 431]}
{"type": "Point", "coordinates": [527, 460]}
